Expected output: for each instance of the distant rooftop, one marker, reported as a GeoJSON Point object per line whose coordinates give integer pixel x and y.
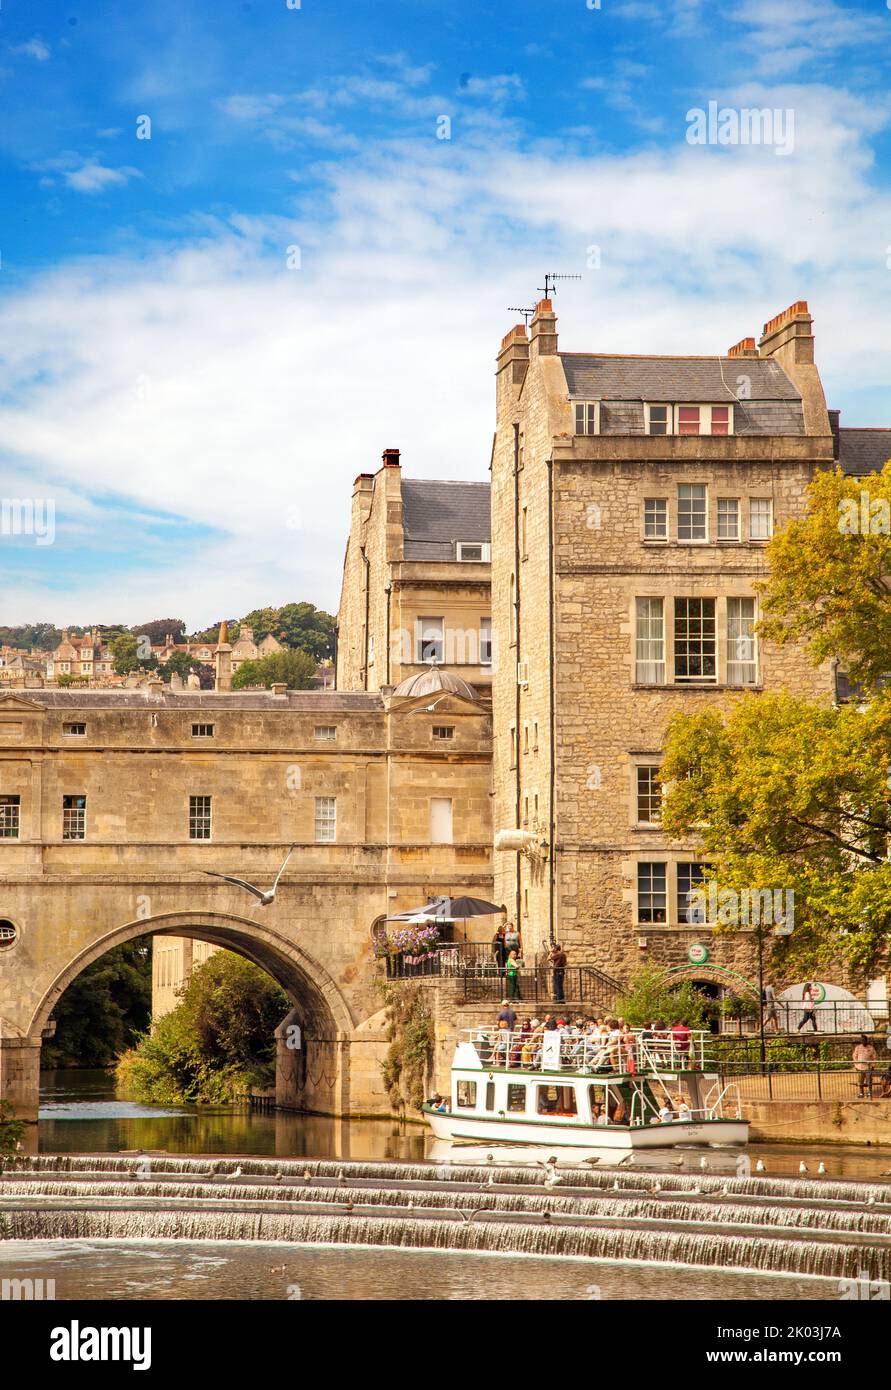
{"type": "Point", "coordinates": [691, 379]}
{"type": "Point", "coordinates": [299, 701]}
{"type": "Point", "coordinates": [863, 451]}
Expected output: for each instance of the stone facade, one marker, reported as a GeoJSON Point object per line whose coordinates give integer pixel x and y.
{"type": "Point", "coordinates": [409, 592]}
{"type": "Point", "coordinates": [576, 710]}
{"type": "Point", "coordinates": [106, 842]}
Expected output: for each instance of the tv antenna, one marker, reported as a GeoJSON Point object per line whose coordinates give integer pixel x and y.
{"type": "Point", "coordinates": [527, 313]}
{"type": "Point", "coordinates": [549, 286]}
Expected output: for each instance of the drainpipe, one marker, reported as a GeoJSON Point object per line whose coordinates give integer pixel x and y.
{"type": "Point", "coordinates": [367, 603]}
{"type": "Point", "coordinates": [519, 915]}
{"type": "Point", "coordinates": [388, 590]}
{"type": "Point", "coordinates": [552, 719]}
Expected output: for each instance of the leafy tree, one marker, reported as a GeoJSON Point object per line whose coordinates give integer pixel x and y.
{"type": "Point", "coordinates": [793, 796]}
{"type": "Point", "coordinates": [295, 668]}
{"type": "Point", "coordinates": [125, 654]}
{"type": "Point", "coordinates": [160, 628]}
{"type": "Point", "coordinates": [261, 621]}
{"type": "Point", "coordinates": [830, 575]}
{"type": "Point", "coordinates": [651, 997]}
{"type": "Point", "coordinates": [12, 1131]}
{"type": "Point", "coordinates": [306, 627]}
{"type": "Point", "coordinates": [216, 1044]}
{"type": "Point", "coordinates": [104, 1010]}
{"type": "Point", "coordinates": [180, 662]}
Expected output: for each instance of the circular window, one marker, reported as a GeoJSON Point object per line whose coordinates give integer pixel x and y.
{"type": "Point", "coordinates": [8, 932]}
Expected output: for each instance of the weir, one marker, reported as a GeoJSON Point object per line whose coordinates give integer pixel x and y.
{"type": "Point", "coordinates": [832, 1230]}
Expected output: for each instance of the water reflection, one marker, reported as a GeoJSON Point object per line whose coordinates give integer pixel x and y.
{"type": "Point", "coordinates": [153, 1270]}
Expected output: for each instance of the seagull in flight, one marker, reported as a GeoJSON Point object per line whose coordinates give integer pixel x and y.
{"type": "Point", "coordinates": [265, 898]}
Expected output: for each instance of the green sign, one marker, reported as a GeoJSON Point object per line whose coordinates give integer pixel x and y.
{"type": "Point", "coordinates": [697, 954]}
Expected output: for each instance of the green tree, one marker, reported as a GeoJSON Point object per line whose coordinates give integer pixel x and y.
{"type": "Point", "coordinates": [261, 621]}
{"type": "Point", "coordinates": [125, 654]}
{"type": "Point", "coordinates": [218, 1042]}
{"type": "Point", "coordinates": [104, 1010]}
{"type": "Point", "coordinates": [792, 796]}
{"type": "Point", "coordinates": [160, 628]}
{"type": "Point", "coordinates": [12, 1131]}
{"type": "Point", "coordinates": [295, 668]}
{"type": "Point", "coordinates": [180, 662]}
{"type": "Point", "coordinates": [651, 997]}
{"type": "Point", "coordinates": [306, 627]}
{"type": "Point", "coordinates": [830, 575]}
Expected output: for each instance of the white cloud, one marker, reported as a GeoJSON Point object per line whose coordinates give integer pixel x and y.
{"type": "Point", "coordinates": [34, 48]}
{"type": "Point", "coordinates": [95, 178]}
{"type": "Point", "coordinates": [797, 34]}
{"type": "Point", "coordinates": [215, 384]}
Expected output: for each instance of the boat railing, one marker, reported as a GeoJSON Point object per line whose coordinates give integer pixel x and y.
{"type": "Point", "coordinates": [722, 1098]}
{"type": "Point", "coordinates": [639, 1050]}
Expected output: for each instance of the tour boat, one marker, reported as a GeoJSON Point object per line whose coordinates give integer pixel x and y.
{"type": "Point", "coordinates": [579, 1092]}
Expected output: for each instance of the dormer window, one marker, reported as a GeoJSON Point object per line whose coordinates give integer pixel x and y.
{"type": "Point", "coordinates": [587, 417]}
{"type": "Point", "coordinates": [689, 419]}
{"type": "Point", "coordinates": [479, 551]}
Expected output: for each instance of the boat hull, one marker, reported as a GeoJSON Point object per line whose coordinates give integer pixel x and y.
{"type": "Point", "coordinates": [503, 1131]}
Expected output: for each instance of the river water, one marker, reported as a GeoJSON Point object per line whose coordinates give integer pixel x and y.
{"type": "Point", "coordinates": [80, 1113]}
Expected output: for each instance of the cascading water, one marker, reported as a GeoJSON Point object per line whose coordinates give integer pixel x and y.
{"type": "Point", "coordinates": [831, 1229]}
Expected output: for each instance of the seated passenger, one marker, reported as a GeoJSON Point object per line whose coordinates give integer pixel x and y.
{"type": "Point", "coordinates": [666, 1114]}
{"type": "Point", "coordinates": [598, 1116]}
{"type": "Point", "coordinates": [684, 1111]}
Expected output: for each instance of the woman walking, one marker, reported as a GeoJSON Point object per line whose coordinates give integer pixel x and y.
{"type": "Point", "coordinates": [809, 1008]}
{"type": "Point", "coordinates": [864, 1061]}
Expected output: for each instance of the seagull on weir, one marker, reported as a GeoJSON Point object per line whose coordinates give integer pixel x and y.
{"type": "Point", "coordinates": [265, 898]}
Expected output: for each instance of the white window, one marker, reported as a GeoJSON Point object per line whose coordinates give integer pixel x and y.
{"type": "Point", "coordinates": [485, 641]}
{"type": "Point", "coordinates": [440, 820]}
{"type": "Point", "coordinates": [728, 519]}
{"type": "Point", "coordinates": [199, 817]}
{"type": "Point", "coordinates": [480, 551]}
{"type": "Point", "coordinates": [649, 664]}
{"type": "Point", "coordinates": [443, 733]}
{"type": "Point", "coordinates": [649, 795]}
{"type": "Point", "coordinates": [695, 656]}
{"type": "Point", "coordinates": [431, 639]}
{"type": "Point", "coordinates": [326, 819]}
{"type": "Point", "coordinates": [10, 807]}
{"type": "Point", "coordinates": [655, 519]}
{"type": "Point", "coordinates": [760, 518]}
{"type": "Point", "coordinates": [658, 418]}
{"type": "Point", "coordinates": [74, 730]}
{"type": "Point", "coordinates": [692, 512]}
{"type": "Point", "coordinates": [202, 731]}
{"type": "Point", "coordinates": [326, 732]}
{"type": "Point", "coordinates": [586, 417]}
{"type": "Point", "coordinates": [742, 644]}
{"type": "Point", "coordinates": [652, 897]}
{"type": "Point", "coordinates": [74, 817]}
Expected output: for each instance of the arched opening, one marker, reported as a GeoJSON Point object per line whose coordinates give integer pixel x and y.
{"type": "Point", "coordinates": [311, 1055]}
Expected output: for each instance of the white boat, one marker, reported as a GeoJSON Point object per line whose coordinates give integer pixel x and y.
{"type": "Point", "coordinates": [576, 1092]}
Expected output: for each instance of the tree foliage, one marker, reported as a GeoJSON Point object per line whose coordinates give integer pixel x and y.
{"type": "Point", "coordinates": [830, 575]}
{"type": "Point", "coordinates": [295, 668]}
{"type": "Point", "coordinates": [160, 628]}
{"type": "Point", "coordinates": [104, 1010]}
{"type": "Point", "coordinates": [218, 1042]}
{"type": "Point", "coordinates": [12, 1131]}
{"type": "Point", "coordinates": [651, 998]}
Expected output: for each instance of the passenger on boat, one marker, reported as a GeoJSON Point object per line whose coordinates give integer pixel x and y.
{"type": "Point", "coordinates": [438, 1102]}
{"type": "Point", "coordinates": [680, 1037]}
{"type": "Point", "coordinates": [502, 1040]}
{"type": "Point", "coordinates": [532, 1046]}
{"type": "Point", "coordinates": [666, 1114]}
{"type": "Point", "coordinates": [598, 1115]}
{"type": "Point", "coordinates": [685, 1114]}
{"type": "Point", "coordinates": [518, 1043]}
{"type": "Point", "coordinates": [508, 1015]}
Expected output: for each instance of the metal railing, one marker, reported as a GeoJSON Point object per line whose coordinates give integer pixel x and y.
{"type": "Point", "coordinates": [832, 1016]}
{"type": "Point", "coordinates": [558, 1049]}
{"type": "Point", "coordinates": [484, 979]}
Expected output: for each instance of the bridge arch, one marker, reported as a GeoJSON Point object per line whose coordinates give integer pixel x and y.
{"type": "Point", "coordinates": [713, 974]}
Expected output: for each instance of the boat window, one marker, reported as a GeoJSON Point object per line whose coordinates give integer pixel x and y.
{"type": "Point", "coordinates": [490, 1095]}
{"type": "Point", "coordinates": [616, 1109]}
{"type": "Point", "coordinates": [516, 1099]}
{"type": "Point", "coordinates": [466, 1094]}
{"type": "Point", "coordinates": [597, 1097]}
{"type": "Point", "coordinates": [556, 1100]}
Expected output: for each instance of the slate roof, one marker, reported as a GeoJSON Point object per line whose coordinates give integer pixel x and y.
{"type": "Point", "coordinates": [437, 514]}
{"type": "Point", "coordinates": [692, 379]}
{"type": "Point", "coordinates": [863, 450]}
{"type": "Point", "coordinates": [297, 701]}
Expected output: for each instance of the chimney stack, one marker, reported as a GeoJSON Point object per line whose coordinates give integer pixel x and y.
{"type": "Point", "coordinates": [391, 458]}
{"type": "Point", "coordinates": [744, 348]}
{"type": "Point", "coordinates": [789, 339]}
{"type": "Point", "coordinates": [223, 660]}
{"type": "Point", "coordinates": [543, 342]}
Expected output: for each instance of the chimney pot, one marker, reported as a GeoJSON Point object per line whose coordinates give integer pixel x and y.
{"type": "Point", "coordinates": [391, 458]}
{"type": "Point", "coordinates": [744, 348]}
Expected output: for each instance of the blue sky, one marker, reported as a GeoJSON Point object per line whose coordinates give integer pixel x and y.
{"type": "Point", "coordinates": [207, 333]}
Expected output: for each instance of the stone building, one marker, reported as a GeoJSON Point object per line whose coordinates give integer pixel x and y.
{"type": "Point", "coordinates": [87, 657]}
{"type": "Point", "coordinates": [415, 581]}
{"type": "Point", "coordinates": [632, 499]}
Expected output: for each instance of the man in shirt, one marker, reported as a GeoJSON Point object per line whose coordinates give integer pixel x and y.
{"type": "Point", "coordinates": [507, 1015]}
{"type": "Point", "coordinates": [558, 967]}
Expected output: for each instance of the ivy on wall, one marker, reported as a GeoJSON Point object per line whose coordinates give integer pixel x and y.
{"type": "Point", "coordinates": [409, 1058]}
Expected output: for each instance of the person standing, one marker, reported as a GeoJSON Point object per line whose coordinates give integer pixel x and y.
{"type": "Point", "coordinates": [864, 1061]}
{"type": "Point", "coordinates": [499, 950]}
{"type": "Point", "coordinates": [809, 1008]}
{"type": "Point", "coordinates": [557, 958]}
{"type": "Point", "coordinates": [511, 939]}
{"type": "Point", "coordinates": [771, 1012]}
{"type": "Point", "coordinates": [507, 1015]}
{"type": "Point", "coordinates": [512, 971]}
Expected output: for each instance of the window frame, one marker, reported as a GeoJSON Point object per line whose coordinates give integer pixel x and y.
{"type": "Point", "coordinates": [200, 818]}
{"type": "Point", "coordinates": [74, 728]}
{"type": "Point", "coordinates": [736, 637]}
{"type": "Point", "coordinates": [650, 795]}
{"type": "Point", "coordinates": [677, 644]}
{"type": "Point", "coordinates": [761, 540]}
{"type": "Point", "coordinates": [321, 733]}
{"type": "Point", "coordinates": [639, 661]}
{"type": "Point", "coordinates": [200, 730]}
{"type": "Point", "coordinates": [485, 651]}
{"type": "Point", "coordinates": [590, 414]}
{"type": "Point", "coordinates": [693, 883]}
{"type": "Point", "coordinates": [11, 825]}
{"type": "Point", "coordinates": [443, 733]}
{"type": "Point", "coordinates": [323, 820]}
{"type": "Point", "coordinates": [661, 537]}
{"type": "Point", "coordinates": [422, 640]}
{"type": "Point", "coordinates": [728, 540]}
{"type": "Point", "coordinates": [679, 516]}
{"type": "Point", "coordinates": [74, 817]}
{"type": "Point", "coordinates": [649, 407]}
{"type": "Point", "coordinates": [648, 868]}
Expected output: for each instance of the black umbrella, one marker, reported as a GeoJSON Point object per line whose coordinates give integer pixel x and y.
{"type": "Point", "coordinates": [449, 910]}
